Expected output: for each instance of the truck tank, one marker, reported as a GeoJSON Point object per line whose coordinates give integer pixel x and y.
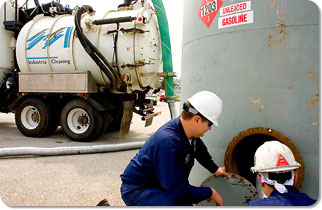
{"type": "Point", "coordinates": [262, 58]}
{"type": "Point", "coordinates": [6, 39]}
{"type": "Point", "coordinates": [95, 64]}
{"type": "Point", "coordinates": [50, 44]}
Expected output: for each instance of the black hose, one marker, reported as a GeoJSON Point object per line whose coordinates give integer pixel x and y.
{"type": "Point", "coordinates": [60, 8]}
{"type": "Point", "coordinates": [37, 7]}
{"type": "Point", "coordinates": [115, 46]}
{"type": "Point", "coordinates": [93, 52]}
{"type": "Point", "coordinates": [114, 20]}
{"type": "Point", "coordinates": [37, 3]}
{"type": "Point", "coordinates": [44, 9]}
{"type": "Point", "coordinates": [126, 3]}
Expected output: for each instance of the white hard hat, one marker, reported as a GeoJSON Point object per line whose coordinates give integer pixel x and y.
{"type": "Point", "coordinates": [208, 104]}
{"type": "Point", "coordinates": [274, 156]}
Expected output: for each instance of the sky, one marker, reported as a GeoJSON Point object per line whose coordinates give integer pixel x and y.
{"type": "Point", "coordinates": [174, 16]}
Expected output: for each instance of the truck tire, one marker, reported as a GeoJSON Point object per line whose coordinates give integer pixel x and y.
{"type": "Point", "coordinates": [80, 121]}
{"type": "Point", "coordinates": [35, 118]}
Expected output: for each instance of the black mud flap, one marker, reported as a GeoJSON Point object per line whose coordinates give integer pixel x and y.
{"type": "Point", "coordinates": [127, 117]}
{"type": "Point", "coordinates": [235, 191]}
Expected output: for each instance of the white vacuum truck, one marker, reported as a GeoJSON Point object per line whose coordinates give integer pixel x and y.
{"type": "Point", "coordinates": [85, 70]}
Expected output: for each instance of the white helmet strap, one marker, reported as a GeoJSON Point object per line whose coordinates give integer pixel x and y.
{"type": "Point", "coordinates": [193, 111]}
{"type": "Point", "coordinates": [189, 109]}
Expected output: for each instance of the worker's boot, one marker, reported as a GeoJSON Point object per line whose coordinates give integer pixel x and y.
{"type": "Point", "coordinates": [103, 202]}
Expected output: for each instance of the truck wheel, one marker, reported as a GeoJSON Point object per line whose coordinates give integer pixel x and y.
{"type": "Point", "coordinates": [80, 121]}
{"type": "Point", "coordinates": [34, 118]}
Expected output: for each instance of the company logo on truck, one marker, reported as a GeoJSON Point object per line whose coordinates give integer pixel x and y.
{"type": "Point", "coordinates": [49, 39]}
{"type": "Point", "coordinates": [44, 40]}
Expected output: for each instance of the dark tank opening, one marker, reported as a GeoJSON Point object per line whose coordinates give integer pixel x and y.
{"type": "Point", "coordinates": [239, 155]}
{"type": "Point", "coordinates": [245, 152]}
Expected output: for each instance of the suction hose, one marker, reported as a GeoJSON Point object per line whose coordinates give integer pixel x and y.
{"type": "Point", "coordinates": [21, 151]}
{"type": "Point", "coordinates": [166, 55]}
{"type": "Point", "coordinates": [93, 52]}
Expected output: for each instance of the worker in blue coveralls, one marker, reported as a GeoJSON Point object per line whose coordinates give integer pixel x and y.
{"type": "Point", "coordinates": [158, 174]}
{"type": "Point", "coordinates": [275, 165]}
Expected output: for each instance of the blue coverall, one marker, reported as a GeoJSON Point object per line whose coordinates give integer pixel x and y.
{"type": "Point", "coordinates": [292, 198]}
{"type": "Point", "coordinates": [158, 174]}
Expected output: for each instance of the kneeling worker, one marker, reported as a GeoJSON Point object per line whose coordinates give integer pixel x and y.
{"type": "Point", "coordinates": [275, 164]}
{"type": "Point", "coordinates": [158, 174]}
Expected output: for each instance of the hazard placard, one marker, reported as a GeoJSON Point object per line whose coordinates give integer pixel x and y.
{"type": "Point", "coordinates": [208, 11]}
{"type": "Point", "coordinates": [236, 14]}
{"type": "Point", "coordinates": [236, 19]}
{"type": "Point", "coordinates": [235, 8]}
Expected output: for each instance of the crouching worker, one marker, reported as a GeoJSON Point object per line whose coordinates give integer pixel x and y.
{"type": "Point", "coordinates": [275, 164]}
{"type": "Point", "coordinates": [158, 174]}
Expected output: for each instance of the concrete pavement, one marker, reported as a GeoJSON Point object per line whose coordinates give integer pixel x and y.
{"type": "Point", "coordinates": [70, 180]}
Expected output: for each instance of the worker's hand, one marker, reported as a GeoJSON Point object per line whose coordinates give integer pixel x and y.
{"type": "Point", "coordinates": [221, 171]}
{"type": "Point", "coordinates": [215, 197]}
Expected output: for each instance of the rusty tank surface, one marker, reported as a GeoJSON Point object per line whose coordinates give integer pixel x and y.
{"type": "Point", "coordinates": [263, 59]}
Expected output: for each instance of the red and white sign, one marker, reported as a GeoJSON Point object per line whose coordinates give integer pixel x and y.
{"type": "Point", "coordinates": [234, 8]}
{"type": "Point", "coordinates": [236, 19]}
{"type": "Point", "coordinates": [208, 11]}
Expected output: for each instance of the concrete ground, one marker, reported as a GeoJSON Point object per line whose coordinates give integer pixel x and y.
{"type": "Point", "coordinates": [69, 180]}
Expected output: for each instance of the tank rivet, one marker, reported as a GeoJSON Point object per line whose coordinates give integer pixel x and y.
{"type": "Point", "coordinates": [270, 130]}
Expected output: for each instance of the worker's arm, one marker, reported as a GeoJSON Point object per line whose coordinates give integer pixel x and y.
{"type": "Point", "coordinates": [169, 163]}
{"type": "Point", "coordinates": [204, 158]}
{"type": "Point", "coordinates": [215, 197]}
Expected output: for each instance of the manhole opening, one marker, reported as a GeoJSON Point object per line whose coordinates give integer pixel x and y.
{"type": "Point", "coordinates": [239, 155]}
{"type": "Point", "coordinates": [245, 152]}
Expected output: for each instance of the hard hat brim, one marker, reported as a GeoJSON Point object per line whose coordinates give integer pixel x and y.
{"type": "Point", "coordinates": [276, 169]}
